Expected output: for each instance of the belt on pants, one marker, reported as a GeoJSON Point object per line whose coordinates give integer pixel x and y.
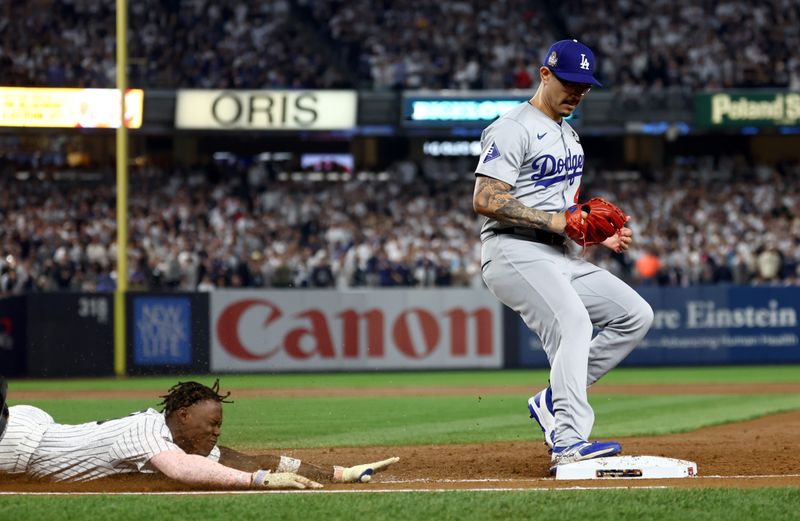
{"type": "Point", "coordinates": [532, 234]}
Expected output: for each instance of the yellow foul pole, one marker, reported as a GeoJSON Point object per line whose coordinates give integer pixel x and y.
{"type": "Point", "coordinates": [122, 192]}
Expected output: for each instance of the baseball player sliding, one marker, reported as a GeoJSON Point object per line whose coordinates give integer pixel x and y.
{"type": "Point", "coordinates": [179, 442]}
{"type": "Point", "coordinates": [526, 188]}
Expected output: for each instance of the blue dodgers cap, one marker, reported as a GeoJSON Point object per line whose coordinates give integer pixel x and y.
{"type": "Point", "coordinates": [570, 60]}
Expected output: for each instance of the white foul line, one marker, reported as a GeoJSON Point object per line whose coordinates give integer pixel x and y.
{"type": "Point", "coordinates": [406, 490]}
{"type": "Point", "coordinates": [550, 480]}
{"type": "Point", "coordinates": [374, 491]}
{"type": "Point", "coordinates": [765, 476]}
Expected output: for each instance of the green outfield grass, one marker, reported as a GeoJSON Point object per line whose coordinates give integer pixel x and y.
{"type": "Point", "coordinates": [374, 419]}
{"type": "Point", "coordinates": [403, 420]}
{"type": "Point", "coordinates": [408, 420]}
{"type": "Point", "coordinates": [533, 377]}
{"type": "Point", "coordinates": [587, 505]}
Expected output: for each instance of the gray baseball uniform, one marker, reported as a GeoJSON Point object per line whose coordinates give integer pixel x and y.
{"type": "Point", "coordinates": [559, 295]}
{"type": "Point", "coordinates": [35, 445]}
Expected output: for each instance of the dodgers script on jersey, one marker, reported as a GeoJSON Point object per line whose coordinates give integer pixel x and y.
{"type": "Point", "coordinates": [541, 159]}
{"type": "Point", "coordinates": [42, 448]}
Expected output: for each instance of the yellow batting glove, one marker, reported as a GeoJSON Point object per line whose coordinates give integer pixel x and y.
{"type": "Point", "coordinates": [268, 479]}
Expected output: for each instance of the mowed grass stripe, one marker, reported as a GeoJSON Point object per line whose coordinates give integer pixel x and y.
{"type": "Point", "coordinates": [775, 504]}
{"type": "Point", "coordinates": [626, 415]}
{"type": "Point", "coordinates": [535, 378]}
{"type": "Point", "coordinates": [379, 420]}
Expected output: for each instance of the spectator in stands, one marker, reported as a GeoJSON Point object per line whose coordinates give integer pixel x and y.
{"type": "Point", "coordinates": [662, 45]}
{"type": "Point", "coordinates": [225, 44]}
{"type": "Point", "coordinates": [706, 221]}
{"type": "Point", "coordinates": [648, 266]}
{"type": "Point", "coordinates": [689, 45]}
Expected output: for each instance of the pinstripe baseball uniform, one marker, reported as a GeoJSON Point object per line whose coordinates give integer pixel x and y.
{"type": "Point", "coordinates": [37, 446]}
{"type": "Point", "coordinates": [559, 295]}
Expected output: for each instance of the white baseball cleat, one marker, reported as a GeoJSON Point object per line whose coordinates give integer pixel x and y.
{"type": "Point", "coordinates": [582, 450]}
{"type": "Point", "coordinates": [541, 408]}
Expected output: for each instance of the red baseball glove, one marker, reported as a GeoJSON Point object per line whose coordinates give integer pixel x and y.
{"type": "Point", "coordinates": [604, 220]}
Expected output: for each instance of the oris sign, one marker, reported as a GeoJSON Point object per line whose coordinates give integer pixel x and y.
{"type": "Point", "coordinates": [266, 109]}
{"type": "Point", "coordinates": [381, 329]}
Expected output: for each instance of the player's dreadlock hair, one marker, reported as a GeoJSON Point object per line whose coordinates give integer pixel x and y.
{"type": "Point", "coordinates": [185, 394]}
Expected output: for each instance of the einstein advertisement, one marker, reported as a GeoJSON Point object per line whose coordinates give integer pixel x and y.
{"type": "Point", "coordinates": [709, 325]}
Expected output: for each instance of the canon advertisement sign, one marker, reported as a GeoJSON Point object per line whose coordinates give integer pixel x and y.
{"type": "Point", "coordinates": [296, 330]}
{"type": "Point", "coordinates": [266, 109]}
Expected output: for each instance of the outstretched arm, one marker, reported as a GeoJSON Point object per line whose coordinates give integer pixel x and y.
{"type": "Point", "coordinates": [238, 460]}
{"type": "Point", "coordinates": [493, 198]}
{"type": "Point", "coordinates": [199, 471]}
{"type": "Point", "coordinates": [363, 472]}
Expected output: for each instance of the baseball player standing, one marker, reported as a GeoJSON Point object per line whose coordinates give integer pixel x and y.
{"type": "Point", "coordinates": [180, 442]}
{"type": "Point", "coordinates": [528, 178]}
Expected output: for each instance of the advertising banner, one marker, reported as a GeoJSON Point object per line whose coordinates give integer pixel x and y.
{"type": "Point", "coordinates": [750, 109]}
{"type": "Point", "coordinates": [68, 108]}
{"type": "Point", "coordinates": [303, 330]}
{"type": "Point", "coordinates": [462, 108]}
{"type": "Point", "coordinates": [162, 332]}
{"type": "Point", "coordinates": [708, 325]}
{"type": "Point", "coordinates": [266, 109]}
{"type": "Point", "coordinates": [167, 333]}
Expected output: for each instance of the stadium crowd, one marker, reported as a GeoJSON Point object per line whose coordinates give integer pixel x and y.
{"type": "Point", "coordinates": [699, 222]}
{"type": "Point", "coordinates": [654, 45]}
{"type": "Point", "coordinates": [171, 44]}
{"type": "Point", "coordinates": [463, 44]}
{"type": "Point", "coordinates": [669, 45]}
{"type": "Point", "coordinates": [706, 221]}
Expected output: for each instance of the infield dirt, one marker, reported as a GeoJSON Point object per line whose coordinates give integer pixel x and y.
{"type": "Point", "coordinates": [756, 453]}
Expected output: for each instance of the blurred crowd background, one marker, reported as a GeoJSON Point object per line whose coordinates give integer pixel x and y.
{"type": "Point", "coordinates": [702, 219]}
{"type": "Point", "coordinates": [641, 45]}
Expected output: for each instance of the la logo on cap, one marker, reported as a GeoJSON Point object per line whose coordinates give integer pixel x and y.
{"type": "Point", "coordinates": [570, 60]}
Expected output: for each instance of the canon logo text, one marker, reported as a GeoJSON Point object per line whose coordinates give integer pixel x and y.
{"type": "Point", "coordinates": [413, 333]}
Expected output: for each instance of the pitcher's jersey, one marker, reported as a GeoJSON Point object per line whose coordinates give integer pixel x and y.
{"type": "Point", "coordinates": [103, 448]}
{"type": "Point", "coordinates": [541, 159]}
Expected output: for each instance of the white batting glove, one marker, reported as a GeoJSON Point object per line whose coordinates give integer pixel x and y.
{"type": "Point", "coordinates": [361, 473]}
{"type": "Point", "coordinates": [268, 479]}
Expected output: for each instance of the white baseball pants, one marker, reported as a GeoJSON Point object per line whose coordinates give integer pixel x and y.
{"type": "Point", "coordinates": [561, 296]}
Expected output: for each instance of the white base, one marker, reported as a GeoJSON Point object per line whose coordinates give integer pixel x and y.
{"type": "Point", "coordinates": [627, 467]}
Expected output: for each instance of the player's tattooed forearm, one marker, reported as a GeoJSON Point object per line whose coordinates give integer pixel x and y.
{"type": "Point", "coordinates": [508, 209]}
{"type": "Point", "coordinates": [493, 198]}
